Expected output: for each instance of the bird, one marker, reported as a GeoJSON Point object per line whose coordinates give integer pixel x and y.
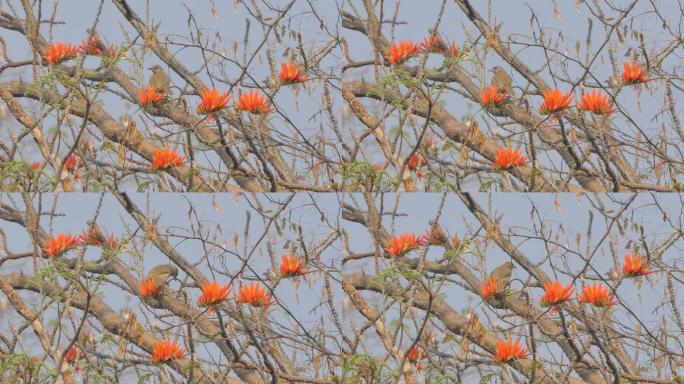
{"type": "Point", "coordinates": [502, 274]}
{"type": "Point", "coordinates": [501, 80]}
{"type": "Point", "coordinates": [161, 273]}
{"type": "Point", "coordinates": [160, 80]}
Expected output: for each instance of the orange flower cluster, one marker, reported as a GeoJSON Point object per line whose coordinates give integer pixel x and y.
{"type": "Point", "coordinates": [400, 245]}
{"type": "Point", "coordinates": [436, 236]}
{"type": "Point", "coordinates": [212, 101]}
{"type": "Point", "coordinates": [72, 162]}
{"type": "Point", "coordinates": [492, 96]}
{"type": "Point", "coordinates": [150, 96]}
{"type": "Point", "coordinates": [416, 353]}
{"type": "Point", "coordinates": [506, 158]}
{"type": "Point", "coordinates": [489, 288]}
{"type": "Point", "coordinates": [59, 52]}
{"type": "Point", "coordinates": [597, 295]}
{"type": "Point", "coordinates": [555, 294]}
{"type": "Point", "coordinates": [213, 293]}
{"type": "Point", "coordinates": [148, 288]}
{"type": "Point", "coordinates": [554, 102]}
{"type": "Point", "coordinates": [435, 44]}
{"type": "Point", "coordinates": [508, 350]}
{"type": "Point", "coordinates": [398, 53]}
{"type": "Point", "coordinates": [164, 158]}
{"type": "Point", "coordinates": [57, 245]}
{"type": "Point", "coordinates": [255, 295]}
{"type": "Point", "coordinates": [292, 266]}
{"type": "Point", "coordinates": [73, 354]}
{"type": "Point", "coordinates": [597, 103]}
{"type": "Point", "coordinates": [632, 73]}
{"type": "Point", "coordinates": [254, 103]}
{"type": "Point", "coordinates": [415, 161]}
{"type": "Point", "coordinates": [166, 350]}
{"type": "Point", "coordinates": [634, 266]}
{"type": "Point", "coordinates": [89, 47]}
{"type": "Point", "coordinates": [290, 73]}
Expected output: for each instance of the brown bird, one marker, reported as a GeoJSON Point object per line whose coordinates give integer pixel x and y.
{"type": "Point", "coordinates": [502, 274]}
{"type": "Point", "coordinates": [161, 273]}
{"type": "Point", "coordinates": [160, 80]}
{"type": "Point", "coordinates": [501, 80]}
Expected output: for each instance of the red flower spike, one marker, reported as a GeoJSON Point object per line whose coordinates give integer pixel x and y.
{"type": "Point", "coordinates": [554, 102]}
{"type": "Point", "coordinates": [292, 266]}
{"type": "Point", "coordinates": [255, 295]}
{"type": "Point", "coordinates": [212, 101]}
{"type": "Point", "coordinates": [150, 96]}
{"type": "Point", "coordinates": [59, 52]}
{"type": "Point", "coordinates": [597, 103]}
{"type": "Point", "coordinates": [597, 295]}
{"type": "Point", "coordinates": [506, 158]}
{"type": "Point", "coordinates": [508, 350]}
{"type": "Point", "coordinates": [402, 51]}
{"type": "Point", "coordinates": [290, 73]}
{"type": "Point", "coordinates": [166, 157]}
{"type": "Point", "coordinates": [492, 96]}
{"type": "Point", "coordinates": [57, 245]}
{"type": "Point", "coordinates": [400, 245]}
{"type": "Point", "coordinates": [166, 350]}
{"type": "Point", "coordinates": [555, 294]}
{"type": "Point", "coordinates": [213, 293]}
{"type": "Point", "coordinates": [632, 73]}
{"type": "Point", "coordinates": [254, 103]}
{"type": "Point", "coordinates": [634, 267]}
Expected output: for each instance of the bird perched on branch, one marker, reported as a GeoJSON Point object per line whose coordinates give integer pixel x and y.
{"type": "Point", "coordinates": [160, 80]}
{"type": "Point", "coordinates": [502, 273]}
{"type": "Point", "coordinates": [161, 273]}
{"type": "Point", "coordinates": [501, 80]}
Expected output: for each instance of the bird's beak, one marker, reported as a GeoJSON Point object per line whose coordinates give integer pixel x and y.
{"type": "Point", "coordinates": [151, 68]}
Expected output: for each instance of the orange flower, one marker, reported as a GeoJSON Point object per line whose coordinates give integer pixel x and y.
{"type": "Point", "coordinates": [453, 49]}
{"type": "Point", "coordinates": [492, 96]}
{"type": "Point", "coordinates": [57, 245]}
{"type": "Point", "coordinates": [91, 237]}
{"type": "Point", "coordinates": [290, 73]}
{"type": "Point", "coordinates": [455, 241]}
{"type": "Point", "coordinates": [213, 293]}
{"type": "Point", "coordinates": [150, 96]}
{"type": "Point", "coordinates": [58, 52]}
{"type": "Point", "coordinates": [416, 353]}
{"type": "Point", "coordinates": [555, 294]}
{"type": "Point", "coordinates": [489, 288]}
{"type": "Point", "coordinates": [292, 266]}
{"type": "Point", "coordinates": [254, 102]}
{"type": "Point", "coordinates": [633, 74]}
{"type": "Point", "coordinates": [554, 102]}
{"type": "Point", "coordinates": [634, 267]}
{"type": "Point", "coordinates": [89, 47]}
{"type": "Point", "coordinates": [148, 288]}
{"type": "Point", "coordinates": [36, 165]}
{"type": "Point", "coordinates": [597, 103]}
{"type": "Point", "coordinates": [436, 236]}
{"type": "Point", "coordinates": [597, 295]}
{"type": "Point", "coordinates": [72, 354]}
{"type": "Point", "coordinates": [402, 51]}
{"type": "Point", "coordinates": [400, 245]}
{"type": "Point", "coordinates": [72, 162]}
{"type": "Point", "coordinates": [255, 295]}
{"type": "Point", "coordinates": [508, 350]}
{"type": "Point", "coordinates": [434, 44]}
{"type": "Point", "coordinates": [415, 161]}
{"type": "Point", "coordinates": [166, 157]}
{"type": "Point", "coordinates": [508, 158]}
{"type": "Point", "coordinates": [212, 101]}
{"type": "Point", "coordinates": [166, 350]}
